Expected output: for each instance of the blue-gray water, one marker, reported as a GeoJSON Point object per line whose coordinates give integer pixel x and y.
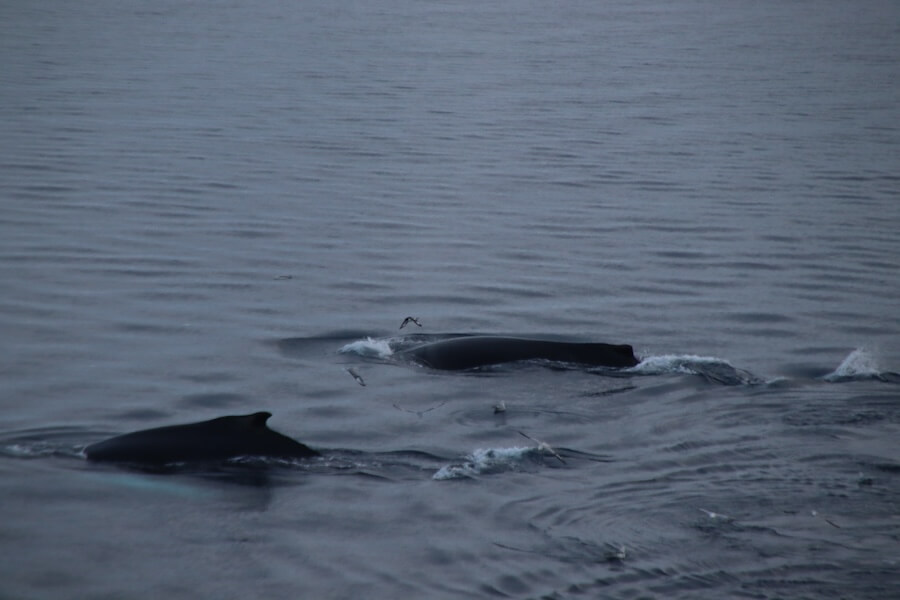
{"type": "Point", "coordinates": [204, 202]}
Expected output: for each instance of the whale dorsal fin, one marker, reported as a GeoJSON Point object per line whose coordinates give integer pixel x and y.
{"type": "Point", "coordinates": [255, 420]}
{"type": "Point", "coordinates": [258, 419]}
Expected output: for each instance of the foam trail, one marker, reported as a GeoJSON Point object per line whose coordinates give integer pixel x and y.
{"type": "Point", "coordinates": [487, 460]}
{"type": "Point", "coordinates": [27, 451]}
{"type": "Point", "coordinates": [39, 449]}
{"type": "Point", "coordinates": [674, 363]}
{"type": "Point", "coordinates": [369, 348]}
{"type": "Point", "coordinates": [709, 367]}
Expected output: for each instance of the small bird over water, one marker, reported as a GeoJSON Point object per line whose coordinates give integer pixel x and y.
{"type": "Point", "coordinates": [544, 447]}
{"type": "Point", "coordinates": [408, 320]}
{"type": "Point", "coordinates": [353, 372]}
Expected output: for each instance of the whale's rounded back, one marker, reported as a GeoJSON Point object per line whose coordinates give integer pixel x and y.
{"type": "Point", "coordinates": [214, 440]}
{"type": "Point", "coordinates": [468, 352]}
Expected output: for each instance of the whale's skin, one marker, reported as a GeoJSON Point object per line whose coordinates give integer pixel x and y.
{"type": "Point", "coordinates": [214, 440]}
{"type": "Point", "coordinates": [469, 352]}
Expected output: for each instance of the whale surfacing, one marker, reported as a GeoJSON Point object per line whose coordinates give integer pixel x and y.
{"type": "Point", "coordinates": [469, 352]}
{"type": "Point", "coordinates": [207, 441]}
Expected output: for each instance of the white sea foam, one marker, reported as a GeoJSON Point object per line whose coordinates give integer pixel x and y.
{"type": "Point", "coordinates": [711, 368]}
{"type": "Point", "coordinates": [369, 347]}
{"type": "Point", "coordinates": [33, 450]}
{"type": "Point", "coordinates": [486, 460]}
{"type": "Point", "coordinates": [859, 364]}
{"type": "Point", "coordinates": [676, 363]}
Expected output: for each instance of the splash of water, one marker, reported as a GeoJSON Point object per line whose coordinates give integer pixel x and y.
{"type": "Point", "coordinates": [859, 364]}
{"type": "Point", "coordinates": [369, 348]}
{"type": "Point", "coordinates": [486, 460]}
{"type": "Point", "coordinates": [709, 367]}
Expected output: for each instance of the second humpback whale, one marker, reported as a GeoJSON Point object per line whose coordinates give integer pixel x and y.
{"type": "Point", "coordinates": [468, 352]}
{"type": "Point", "coordinates": [206, 441]}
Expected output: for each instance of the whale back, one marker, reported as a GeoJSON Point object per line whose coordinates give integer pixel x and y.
{"type": "Point", "coordinates": [216, 439]}
{"type": "Point", "coordinates": [469, 352]}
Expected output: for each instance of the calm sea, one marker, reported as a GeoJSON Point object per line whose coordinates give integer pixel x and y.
{"type": "Point", "coordinates": [219, 207]}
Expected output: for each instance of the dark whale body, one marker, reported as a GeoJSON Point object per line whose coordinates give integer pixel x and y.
{"type": "Point", "coordinates": [469, 352]}
{"type": "Point", "coordinates": [206, 441]}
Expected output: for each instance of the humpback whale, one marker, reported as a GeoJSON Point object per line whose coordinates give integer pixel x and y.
{"type": "Point", "coordinates": [213, 440]}
{"type": "Point", "coordinates": [468, 352]}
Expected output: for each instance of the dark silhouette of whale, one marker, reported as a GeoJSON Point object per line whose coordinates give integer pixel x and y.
{"type": "Point", "coordinates": [206, 441]}
{"type": "Point", "coordinates": [468, 352]}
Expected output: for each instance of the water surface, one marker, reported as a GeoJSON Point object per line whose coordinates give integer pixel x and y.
{"type": "Point", "coordinates": [204, 202]}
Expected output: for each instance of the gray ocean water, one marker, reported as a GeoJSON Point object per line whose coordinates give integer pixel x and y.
{"type": "Point", "coordinates": [212, 208]}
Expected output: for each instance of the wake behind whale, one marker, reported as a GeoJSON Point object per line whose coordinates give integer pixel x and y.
{"type": "Point", "coordinates": [464, 352]}
{"type": "Point", "coordinates": [238, 449]}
